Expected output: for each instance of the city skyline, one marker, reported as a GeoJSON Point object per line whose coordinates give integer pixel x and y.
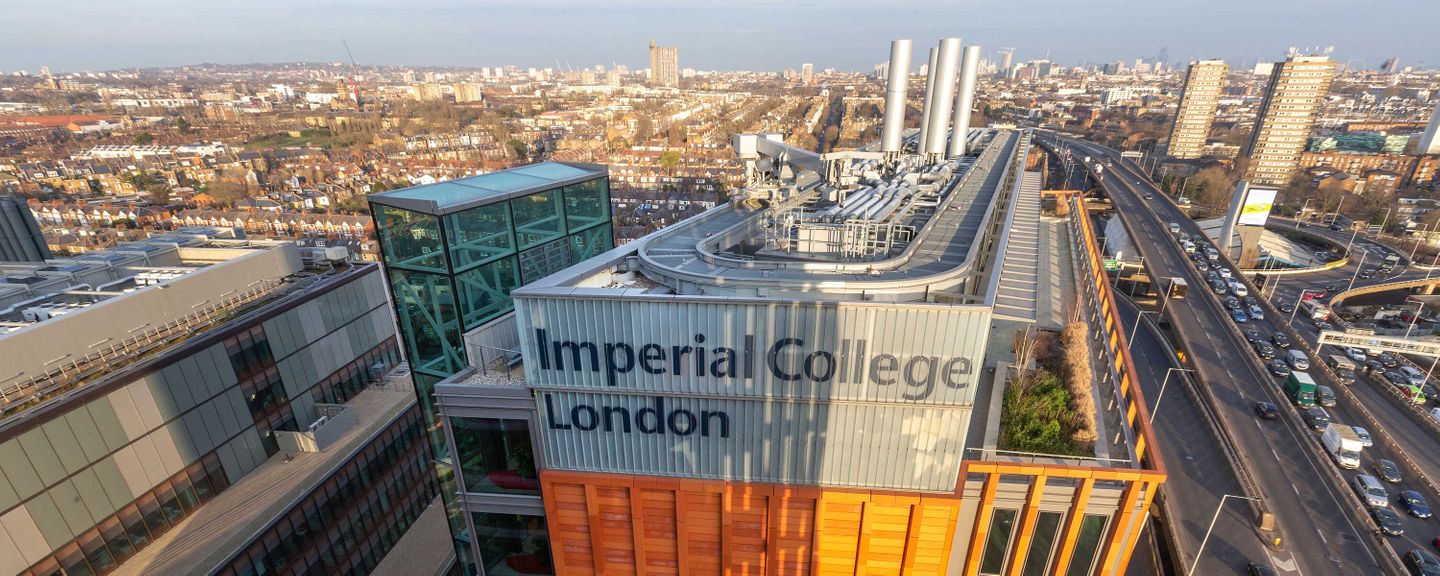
{"type": "Point", "coordinates": [727, 36]}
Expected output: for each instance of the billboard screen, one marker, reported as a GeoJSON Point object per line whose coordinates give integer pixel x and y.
{"type": "Point", "coordinates": [1257, 207]}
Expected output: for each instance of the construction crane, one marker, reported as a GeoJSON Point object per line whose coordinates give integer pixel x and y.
{"type": "Point", "coordinates": [354, 86]}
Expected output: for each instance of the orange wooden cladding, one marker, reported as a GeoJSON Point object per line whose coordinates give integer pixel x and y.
{"type": "Point", "coordinates": [622, 525]}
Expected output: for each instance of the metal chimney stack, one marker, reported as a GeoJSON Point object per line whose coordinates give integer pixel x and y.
{"type": "Point", "coordinates": [964, 101]}
{"type": "Point", "coordinates": [897, 84]}
{"type": "Point", "coordinates": [938, 120]}
{"type": "Point", "coordinates": [925, 111]}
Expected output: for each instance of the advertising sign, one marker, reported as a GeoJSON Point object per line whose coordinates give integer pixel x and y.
{"type": "Point", "coordinates": [1256, 209]}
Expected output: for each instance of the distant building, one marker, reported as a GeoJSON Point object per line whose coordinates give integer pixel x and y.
{"type": "Point", "coordinates": [1391, 65]}
{"type": "Point", "coordinates": [807, 73]}
{"type": "Point", "coordinates": [427, 91]}
{"type": "Point", "coordinates": [664, 66]}
{"type": "Point", "coordinates": [1292, 100]}
{"type": "Point", "coordinates": [1430, 139]}
{"type": "Point", "coordinates": [20, 237]}
{"type": "Point", "coordinates": [467, 92]}
{"type": "Point", "coordinates": [1196, 111]}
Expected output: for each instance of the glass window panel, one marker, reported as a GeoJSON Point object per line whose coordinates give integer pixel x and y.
{"type": "Point", "coordinates": [115, 537]}
{"type": "Point", "coordinates": [587, 203]}
{"type": "Point", "coordinates": [589, 243]}
{"type": "Point", "coordinates": [485, 291]}
{"type": "Point", "coordinates": [518, 543]}
{"type": "Point", "coordinates": [72, 560]}
{"type": "Point", "coordinates": [1087, 543]}
{"type": "Point", "coordinates": [1037, 559]}
{"type": "Point", "coordinates": [538, 218]}
{"type": "Point", "coordinates": [154, 518]}
{"type": "Point", "coordinates": [1002, 527]}
{"type": "Point", "coordinates": [92, 545]}
{"type": "Point", "coordinates": [429, 321]}
{"type": "Point", "coordinates": [495, 455]}
{"type": "Point", "coordinates": [479, 235]}
{"type": "Point", "coordinates": [134, 523]}
{"type": "Point", "coordinates": [544, 260]}
{"type": "Point", "coordinates": [409, 239]}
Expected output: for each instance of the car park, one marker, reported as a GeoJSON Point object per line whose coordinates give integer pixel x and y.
{"type": "Point", "coordinates": [1364, 436]}
{"type": "Point", "coordinates": [1388, 521]}
{"type": "Point", "coordinates": [1267, 410]}
{"type": "Point", "coordinates": [1387, 471]}
{"type": "Point", "coordinates": [1370, 490]}
{"type": "Point", "coordinates": [1317, 419]}
{"type": "Point", "coordinates": [1413, 503]}
{"type": "Point", "coordinates": [1279, 368]}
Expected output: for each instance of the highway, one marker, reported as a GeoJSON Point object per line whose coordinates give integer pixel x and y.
{"type": "Point", "coordinates": [1323, 528]}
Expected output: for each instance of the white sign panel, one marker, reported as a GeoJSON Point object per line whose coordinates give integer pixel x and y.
{"type": "Point", "coordinates": [1256, 209]}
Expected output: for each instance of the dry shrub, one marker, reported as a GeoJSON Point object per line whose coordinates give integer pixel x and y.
{"type": "Point", "coordinates": [1075, 358]}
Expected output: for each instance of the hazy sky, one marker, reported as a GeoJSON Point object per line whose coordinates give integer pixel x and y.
{"type": "Point", "coordinates": [711, 34]}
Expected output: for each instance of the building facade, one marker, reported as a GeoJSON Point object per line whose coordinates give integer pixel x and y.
{"type": "Point", "coordinates": [20, 236]}
{"type": "Point", "coordinates": [1199, 100]}
{"type": "Point", "coordinates": [1297, 88]}
{"type": "Point", "coordinates": [454, 251]}
{"type": "Point", "coordinates": [664, 66]}
{"type": "Point", "coordinates": [190, 383]}
{"type": "Point", "coordinates": [1430, 138]}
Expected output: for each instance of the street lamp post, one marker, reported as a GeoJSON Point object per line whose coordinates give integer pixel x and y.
{"type": "Point", "coordinates": [1298, 300]}
{"type": "Point", "coordinates": [1352, 239]}
{"type": "Point", "coordinates": [1135, 330]}
{"type": "Point", "coordinates": [1384, 220]}
{"type": "Point", "coordinates": [1417, 243]}
{"type": "Point", "coordinates": [1414, 317]}
{"type": "Point", "coordinates": [1336, 217]}
{"type": "Point", "coordinates": [1214, 519]}
{"type": "Point", "coordinates": [1163, 384]}
{"type": "Point", "coordinates": [1357, 270]}
{"type": "Point", "coordinates": [1302, 213]}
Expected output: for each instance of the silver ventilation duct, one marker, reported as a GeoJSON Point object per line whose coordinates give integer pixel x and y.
{"type": "Point", "coordinates": [897, 85]}
{"type": "Point", "coordinates": [925, 110]}
{"type": "Point", "coordinates": [964, 101]}
{"type": "Point", "coordinates": [944, 97]}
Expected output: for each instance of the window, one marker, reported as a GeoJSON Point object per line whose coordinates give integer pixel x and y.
{"type": "Point", "coordinates": [1037, 559]}
{"type": "Point", "coordinates": [538, 218]}
{"type": "Point", "coordinates": [485, 291]}
{"type": "Point", "coordinates": [544, 260]}
{"type": "Point", "coordinates": [479, 235]}
{"type": "Point", "coordinates": [520, 544]}
{"type": "Point", "coordinates": [1002, 527]}
{"type": "Point", "coordinates": [410, 240]}
{"type": "Point", "coordinates": [429, 321]}
{"type": "Point", "coordinates": [587, 244]}
{"type": "Point", "coordinates": [1087, 543]}
{"type": "Point", "coordinates": [587, 203]}
{"type": "Point", "coordinates": [495, 456]}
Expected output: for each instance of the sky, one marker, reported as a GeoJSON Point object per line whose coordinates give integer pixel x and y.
{"type": "Point", "coordinates": [762, 35]}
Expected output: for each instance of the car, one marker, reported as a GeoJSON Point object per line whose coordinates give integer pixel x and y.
{"type": "Point", "coordinates": [1416, 376]}
{"type": "Point", "coordinates": [1225, 272]}
{"type": "Point", "coordinates": [1280, 340]}
{"type": "Point", "coordinates": [1388, 360]}
{"type": "Point", "coordinates": [1219, 287]}
{"type": "Point", "coordinates": [1256, 569]}
{"type": "Point", "coordinates": [1250, 301]}
{"type": "Point", "coordinates": [1317, 419]}
{"type": "Point", "coordinates": [1263, 349]}
{"type": "Point", "coordinates": [1395, 378]}
{"type": "Point", "coordinates": [1252, 335]}
{"type": "Point", "coordinates": [1201, 265]}
{"type": "Point", "coordinates": [1367, 273]}
{"type": "Point", "coordinates": [1238, 289]}
{"type": "Point", "coordinates": [1174, 227]}
{"type": "Point", "coordinates": [1298, 359]}
{"type": "Point", "coordinates": [1422, 563]}
{"type": "Point", "coordinates": [1364, 436]}
{"type": "Point", "coordinates": [1356, 354]}
{"type": "Point", "coordinates": [1287, 307]}
{"type": "Point", "coordinates": [1232, 303]}
{"type": "Point", "coordinates": [1388, 521]}
{"type": "Point", "coordinates": [1149, 196]}
{"type": "Point", "coordinates": [1279, 368]}
{"type": "Point", "coordinates": [1212, 256]}
{"type": "Point", "coordinates": [1239, 316]}
{"type": "Point", "coordinates": [1387, 471]}
{"type": "Point", "coordinates": [1374, 367]}
{"type": "Point", "coordinates": [1329, 289]}
{"type": "Point", "coordinates": [1257, 313]}
{"type": "Point", "coordinates": [1413, 503]}
{"type": "Point", "coordinates": [1323, 325]}
{"type": "Point", "coordinates": [1325, 396]}
{"type": "Point", "coordinates": [1267, 410]}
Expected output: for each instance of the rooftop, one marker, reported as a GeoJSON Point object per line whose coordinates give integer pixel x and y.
{"type": "Point", "coordinates": [455, 195]}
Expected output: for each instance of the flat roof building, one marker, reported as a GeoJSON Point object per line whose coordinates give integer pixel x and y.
{"type": "Point", "coordinates": [1297, 88]}
{"type": "Point", "coordinates": [180, 405]}
{"type": "Point", "coordinates": [1199, 100]}
{"type": "Point", "coordinates": [806, 379]}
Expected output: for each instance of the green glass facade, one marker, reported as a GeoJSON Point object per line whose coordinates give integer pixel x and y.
{"type": "Point", "coordinates": [453, 252]}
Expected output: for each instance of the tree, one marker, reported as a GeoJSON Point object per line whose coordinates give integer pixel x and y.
{"type": "Point", "coordinates": [669, 159]}
{"type": "Point", "coordinates": [521, 149]}
{"type": "Point", "coordinates": [644, 129]}
{"type": "Point", "coordinates": [183, 125]}
{"type": "Point", "coordinates": [227, 192]}
{"type": "Point", "coordinates": [144, 138]}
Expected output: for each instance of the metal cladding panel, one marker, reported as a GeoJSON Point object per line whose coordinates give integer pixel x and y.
{"type": "Point", "coordinates": [835, 444]}
{"type": "Point", "coordinates": [917, 354]}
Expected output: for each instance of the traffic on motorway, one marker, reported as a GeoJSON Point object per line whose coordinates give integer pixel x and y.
{"type": "Point", "coordinates": [1287, 387]}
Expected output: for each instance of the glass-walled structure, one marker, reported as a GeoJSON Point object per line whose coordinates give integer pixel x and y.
{"type": "Point", "coordinates": [453, 251]}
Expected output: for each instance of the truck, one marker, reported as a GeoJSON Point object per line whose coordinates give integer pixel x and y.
{"type": "Point", "coordinates": [1343, 445]}
{"type": "Point", "coordinates": [1300, 387]}
{"type": "Point", "coordinates": [1315, 310]}
{"type": "Point", "coordinates": [1344, 367]}
{"type": "Point", "coordinates": [1390, 263]}
{"type": "Point", "coordinates": [1177, 286]}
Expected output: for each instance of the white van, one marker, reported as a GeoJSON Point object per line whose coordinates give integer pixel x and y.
{"type": "Point", "coordinates": [1239, 289]}
{"type": "Point", "coordinates": [1416, 377]}
{"type": "Point", "coordinates": [1174, 227]}
{"type": "Point", "coordinates": [1298, 359]}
